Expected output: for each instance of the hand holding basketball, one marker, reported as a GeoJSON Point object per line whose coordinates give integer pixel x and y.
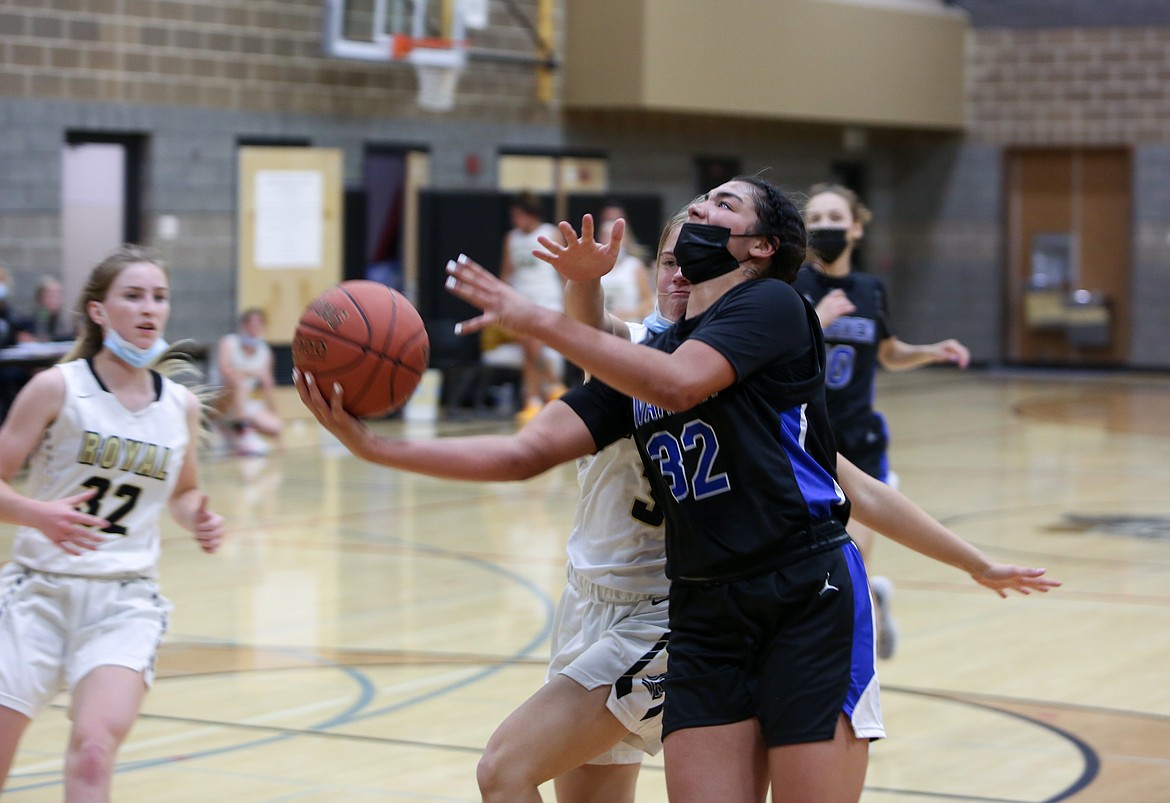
{"type": "Point", "coordinates": [366, 338]}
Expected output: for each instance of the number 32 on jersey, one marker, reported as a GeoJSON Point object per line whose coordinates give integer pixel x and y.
{"type": "Point", "coordinates": [687, 461]}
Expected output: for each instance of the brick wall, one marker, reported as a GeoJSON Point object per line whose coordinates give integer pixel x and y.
{"type": "Point", "coordinates": [1064, 13]}
{"type": "Point", "coordinates": [1098, 85]}
{"type": "Point", "coordinates": [259, 55]}
{"type": "Point", "coordinates": [1070, 86]}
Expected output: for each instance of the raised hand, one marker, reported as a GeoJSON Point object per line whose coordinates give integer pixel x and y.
{"type": "Point", "coordinates": [582, 258]}
{"type": "Point", "coordinates": [501, 304]}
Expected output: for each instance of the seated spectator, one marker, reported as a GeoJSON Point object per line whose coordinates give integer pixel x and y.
{"type": "Point", "coordinates": [12, 377]}
{"type": "Point", "coordinates": [7, 328]}
{"type": "Point", "coordinates": [499, 349]}
{"type": "Point", "coordinates": [48, 321]}
{"type": "Point", "coordinates": [242, 368]}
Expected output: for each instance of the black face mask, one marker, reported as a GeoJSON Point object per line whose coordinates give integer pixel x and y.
{"type": "Point", "coordinates": [702, 252]}
{"type": "Point", "coordinates": [828, 243]}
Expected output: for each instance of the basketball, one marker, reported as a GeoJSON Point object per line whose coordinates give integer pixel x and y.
{"type": "Point", "coordinates": [368, 339]}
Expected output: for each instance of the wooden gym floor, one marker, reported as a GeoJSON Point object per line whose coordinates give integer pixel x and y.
{"type": "Point", "coordinates": [364, 630]}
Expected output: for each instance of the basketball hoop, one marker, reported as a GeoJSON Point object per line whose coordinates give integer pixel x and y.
{"type": "Point", "coordinates": [438, 63]}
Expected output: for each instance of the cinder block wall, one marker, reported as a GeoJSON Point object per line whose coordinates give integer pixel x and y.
{"type": "Point", "coordinates": [196, 76]}
{"type": "Point", "coordinates": [1040, 73]}
{"type": "Point", "coordinates": [254, 55]}
{"type": "Point", "coordinates": [1091, 87]}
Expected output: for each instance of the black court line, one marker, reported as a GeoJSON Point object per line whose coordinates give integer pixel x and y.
{"type": "Point", "coordinates": [1091, 760]}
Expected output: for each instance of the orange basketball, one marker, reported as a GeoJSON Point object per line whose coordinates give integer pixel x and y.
{"type": "Point", "coordinates": [367, 338]}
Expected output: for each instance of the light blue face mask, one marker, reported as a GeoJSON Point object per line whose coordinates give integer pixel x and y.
{"type": "Point", "coordinates": [656, 323]}
{"type": "Point", "coordinates": [131, 354]}
{"type": "Point", "coordinates": [126, 351]}
{"type": "Point", "coordinates": [3, 291]}
{"type": "Point", "coordinates": [249, 342]}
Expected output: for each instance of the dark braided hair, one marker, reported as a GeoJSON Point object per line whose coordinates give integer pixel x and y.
{"type": "Point", "coordinates": [780, 220]}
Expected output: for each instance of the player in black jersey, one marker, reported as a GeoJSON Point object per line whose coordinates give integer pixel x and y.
{"type": "Point", "coordinates": [853, 311]}
{"type": "Point", "coordinates": [771, 666]}
{"type": "Point", "coordinates": [771, 636]}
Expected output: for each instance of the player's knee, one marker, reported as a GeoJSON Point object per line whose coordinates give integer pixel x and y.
{"type": "Point", "coordinates": [499, 775]}
{"type": "Point", "coordinates": [91, 757]}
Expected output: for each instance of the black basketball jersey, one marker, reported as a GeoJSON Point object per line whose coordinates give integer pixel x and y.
{"type": "Point", "coordinates": [852, 340]}
{"type": "Point", "coordinates": [747, 478]}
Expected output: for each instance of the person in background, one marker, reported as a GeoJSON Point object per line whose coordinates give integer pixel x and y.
{"type": "Point", "coordinates": [854, 313]}
{"type": "Point", "coordinates": [7, 328]}
{"type": "Point", "coordinates": [243, 371]}
{"type": "Point", "coordinates": [12, 377]}
{"type": "Point", "coordinates": [110, 443]}
{"type": "Point", "coordinates": [48, 322]}
{"type": "Point", "coordinates": [540, 283]}
{"type": "Point", "coordinates": [628, 292]}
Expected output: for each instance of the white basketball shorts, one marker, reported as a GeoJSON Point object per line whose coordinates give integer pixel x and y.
{"type": "Point", "coordinates": [604, 637]}
{"type": "Point", "coordinates": [56, 628]}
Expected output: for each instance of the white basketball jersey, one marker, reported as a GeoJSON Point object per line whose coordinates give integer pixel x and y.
{"type": "Point", "coordinates": [618, 539]}
{"type": "Point", "coordinates": [623, 289]}
{"type": "Point", "coordinates": [133, 459]}
{"type": "Point", "coordinates": [533, 278]}
{"type": "Point", "coordinates": [238, 358]}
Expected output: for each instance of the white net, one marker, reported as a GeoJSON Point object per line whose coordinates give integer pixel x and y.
{"type": "Point", "coordinates": [438, 72]}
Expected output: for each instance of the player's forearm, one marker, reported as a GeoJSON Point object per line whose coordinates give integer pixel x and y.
{"type": "Point", "coordinates": [885, 510]}
{"type": "Point", "coordinates": [901, 356]}
{"type": "Point", "coordinates": [909, 525]}
{"type": "Point", "coordinates": [585, 302]}
{"type": "Point", "coordinates": [486, 458]}
{"type": "Point", "coordinates": [16, 508]}
{"type": "Point", "coordinates": [183, 506]}
{"type": "Point", "coordinates": [638, 371]}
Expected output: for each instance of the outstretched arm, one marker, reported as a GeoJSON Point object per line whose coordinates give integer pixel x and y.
{"type": "Point", "coordinates": [880, 507]}
{"type": "Point", "coordinates": [675, 381]}
{"type": "Point", "coordinates": [895, 355]}
{"type": "Point", "coordinates": [556, 435]}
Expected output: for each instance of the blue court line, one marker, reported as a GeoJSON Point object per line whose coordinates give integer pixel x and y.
{"type": "Point", "coordinates": [366, 694]}
{"type": "Point", "coordinates": [366, 686]}
{"type": "Point", "coordinates": [543, 634]}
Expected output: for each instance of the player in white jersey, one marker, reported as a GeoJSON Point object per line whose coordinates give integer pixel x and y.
{"type": "Point", "coordinates": [110, 443]}
{"type": "Point", "coordinates": [242, 370]}
{"type": "Point", "coordinates": [540, 283]}
{"type": "Point", "coordinates": [600, 709]}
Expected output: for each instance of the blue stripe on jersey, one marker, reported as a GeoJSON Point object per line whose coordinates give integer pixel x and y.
{"type": "Point", "coordinates": [862, 669]}
{"type": "Point", "coordinates": [820, 491]}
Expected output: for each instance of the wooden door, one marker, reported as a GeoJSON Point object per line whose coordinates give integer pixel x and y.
{"type": "Point", "coordinates": [1080, 315]}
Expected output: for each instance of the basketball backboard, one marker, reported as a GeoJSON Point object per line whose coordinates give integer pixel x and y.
{"type": "Point", "coordinates": [388, 30]}
{"type": "Point", "coordinates": [429, 36]}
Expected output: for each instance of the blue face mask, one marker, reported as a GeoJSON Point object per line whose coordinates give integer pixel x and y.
{"type": "Point", "coordinates": [131, 354]}
{"type": "Point", "coordinates": [3, 291]}
{"type": "Point", "coordinates": [656, 323]}
{"type": "Point", "coordinates": [249, 342]}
